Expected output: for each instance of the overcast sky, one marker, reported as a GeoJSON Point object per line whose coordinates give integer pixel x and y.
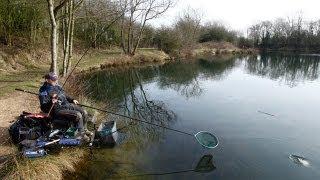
{"type": "Point", "coordinates": [239, 14]}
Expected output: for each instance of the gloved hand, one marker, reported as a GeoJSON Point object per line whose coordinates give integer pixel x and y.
{"type": "Point", "coordinates": [54, 98]}
{"type": "Point", "coordinates": [75, 102]}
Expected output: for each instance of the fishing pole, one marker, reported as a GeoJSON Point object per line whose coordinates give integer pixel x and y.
{"type": "Point", "coordinates": [26, 91]}
{"type": "Point", "coordinates": [136, 119]}
{"type": "Point", "coordinates": [11, 81]}
{"type": "Point", "coordinates": [204, 138]}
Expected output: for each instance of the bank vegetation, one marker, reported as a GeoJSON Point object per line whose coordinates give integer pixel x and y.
{"type": "Point", "coordinates": [285, 34]}
{"type": "Point", "coordinates": [57, 32]}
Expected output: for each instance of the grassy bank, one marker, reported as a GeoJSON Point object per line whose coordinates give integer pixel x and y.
{"type": "Point", "coordinates": [49, 167]}
{"type": "Point", "coordinates": [24, 69]}
{"type": "Point", "coordinates": [53, 166]}
{"type": "Point", "coordinates": [30, 78]}
{"type": "Point", "coordinates": [209, 49]}
{"type": "Point", "coordinates": [115, 58]}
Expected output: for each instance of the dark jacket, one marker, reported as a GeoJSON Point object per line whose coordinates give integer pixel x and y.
{"type": "Point", "coordinates": [46, 92]}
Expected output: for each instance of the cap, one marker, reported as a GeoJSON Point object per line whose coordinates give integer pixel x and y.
{"type": "Point", "coordinates": [52, 76]}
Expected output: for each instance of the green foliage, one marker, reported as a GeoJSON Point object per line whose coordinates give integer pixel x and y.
{"type": "Point", "coordinates": [218, 33]}
{"type": "Point", "coordinates": [20, 18]}
{"type": "Point", "coordinates": [148, 36]}
{"type": "Point", "coordinates": [96, 34]}
{"type": "Point", "coordinates": [244, 43]}
{"type": "Point", "coordinates": [24, 22]}
{"type": "Point", "coordinates": [166, 40]}
{"type": "Point", "coordinates": [291, 34]}
{"type": "Point", "coordinates": [187, 28]}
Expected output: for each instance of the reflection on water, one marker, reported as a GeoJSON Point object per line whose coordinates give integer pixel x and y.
{"type": "Point", "coordinates": [205, 165]}
{"type": "Point", "coordinates": [185, 77]}
{"type": "Point", "coordinates": [291, 69]}
{"type": "Point", "coordinates": [194, 96]}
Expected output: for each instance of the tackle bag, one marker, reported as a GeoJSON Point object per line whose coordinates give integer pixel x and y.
{"type": "Point", "coordinates": [28, 126]}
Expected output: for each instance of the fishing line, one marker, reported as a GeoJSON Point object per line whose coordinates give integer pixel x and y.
{"type": "Point", "coordinates": [206, 139]}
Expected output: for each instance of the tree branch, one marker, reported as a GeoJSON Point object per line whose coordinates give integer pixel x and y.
{"type": "Point", "coordinates": [56, 9]}
{"type": "Point", "coordinates": [76, 7]}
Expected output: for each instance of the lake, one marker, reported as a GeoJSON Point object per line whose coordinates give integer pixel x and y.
{"type": "Point", "coordinates": [262, 108]}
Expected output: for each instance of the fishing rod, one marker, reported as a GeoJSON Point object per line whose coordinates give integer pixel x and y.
{"type": "Point", "coordinates": [204, 138]}
{"type": "Point", "coordinates": [136, 119]}
{"type": "Point", "coordinates": [10, 81]}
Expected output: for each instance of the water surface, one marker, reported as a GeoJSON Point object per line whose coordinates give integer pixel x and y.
{"type": "Point", "coordinates": [262, 108]}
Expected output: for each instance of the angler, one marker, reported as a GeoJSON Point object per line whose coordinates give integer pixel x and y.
{"type": "Point", "coordinates": [57, 104]}
{"type": "Point", "coordinates": [36, 132]}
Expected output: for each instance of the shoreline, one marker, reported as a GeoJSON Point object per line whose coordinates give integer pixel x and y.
{"type": "Point", "coordinates": [12, 166]}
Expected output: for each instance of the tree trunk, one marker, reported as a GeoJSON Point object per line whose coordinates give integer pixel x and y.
{"type": "Point", "coordinates": [7, 25]}
{"type": "Point", "coordinates": [139, 37]}
{"type": "Point", "coordinates": [31, 32]}
{"type": "Point", "coordinates": [129, 40]}
{"type": "Point", "coordinates": [65, 41]}
{"type": "Point", "coordinates": [122, 36]}
{"type": "Point", "coordinates": [71, 36]}
{"type": "Point", "coordinates": [53, 67]}
{"type": "Point", "coordinates": [132, 42]}
{"type": "Point", "coordinates": [8, 39]}
{"type": "Point", "coordinates": [67, 45]}
{"type": "Point", "coordinates": [95, 35]}
{"type": "Point", "coordinates": [129, 33]}
{"type": "Point", "coordinates": [137, 44]}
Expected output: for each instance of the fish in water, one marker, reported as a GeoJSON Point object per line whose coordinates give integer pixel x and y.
{"type": "Point", "coordinates": [300, 160]}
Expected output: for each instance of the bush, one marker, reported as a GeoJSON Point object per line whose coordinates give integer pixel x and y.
{"type": "Point", "coordinates": [166, 40]}
{"type": "Point", "coordinates": [217, 33]}
{"type": "Point", "coordinates": [95, 31]}
{"type": "Point", "coordinates": [244, 43]}
{"type": "Point", "coordinates": [24, 20]}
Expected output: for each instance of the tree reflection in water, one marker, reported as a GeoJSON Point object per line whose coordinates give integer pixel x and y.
{"type": "Point", "coordinates": [126, 87]}
{"type": "Point", "coordinates": [186, 77]}
{"type": "Point", "coordinates": [137, 104]}
{"type": "Point", "coordinates": [290, 69]}
{"type": "Point", "coordinates": [182, 77]}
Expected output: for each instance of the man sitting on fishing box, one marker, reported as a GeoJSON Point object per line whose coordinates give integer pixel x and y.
{"type": "Point", "coordinates": [57, 104]}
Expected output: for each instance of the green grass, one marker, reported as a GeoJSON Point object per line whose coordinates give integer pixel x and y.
{"type": "Point", "coordinates": [95, 58]}
{"type": "Point", "coordinates": [30, 77]}
{"type": "Point", "coordinates": [54, 166]}
{"type": "Point", "coordinates": [48, 167]}
{"type": "Point", "coordinates": [28, 80]}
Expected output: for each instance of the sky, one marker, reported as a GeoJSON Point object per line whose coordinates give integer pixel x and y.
{"type": "Point", "coordinates": [240, 14]}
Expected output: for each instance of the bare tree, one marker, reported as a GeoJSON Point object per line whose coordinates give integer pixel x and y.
{"type": "Point", "coordinates": [53, 11]}
{"type": "Point", "coordinates": [98, 16]}
{"type": "Point", "coordinates": [188, 26]}
{"type": "Point", "coordinates": [68, 30]}
{"type": "Point", "coordinates": [54, 20]}
{"type": "Point", "coordinates": [255, 33]}
{"type": "Point", "coordinates": [134, 22]}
